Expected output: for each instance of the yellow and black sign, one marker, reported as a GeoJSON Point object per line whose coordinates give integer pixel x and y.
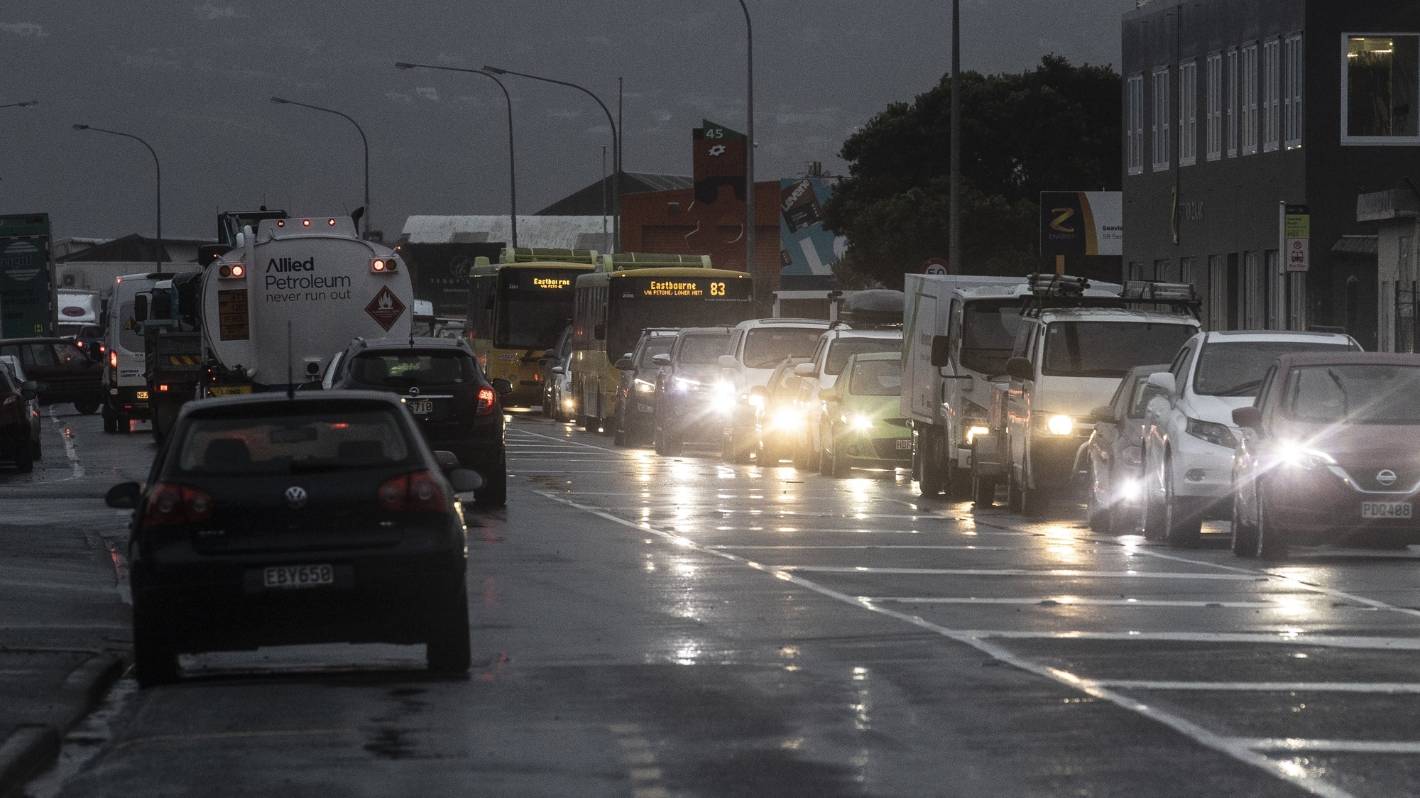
{"type": "Point", "coordinates": [552, 283]}
{"type": "Point", "coordinates": [232, 321]}
{"type": "Point", "coordinates": [689, 288]}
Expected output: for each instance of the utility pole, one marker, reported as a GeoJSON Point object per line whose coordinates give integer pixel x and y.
{"type": "Point", "coordinates": [954, 261]}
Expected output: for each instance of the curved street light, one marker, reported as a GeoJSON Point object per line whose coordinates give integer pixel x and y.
{"type": "Point", "coordinates": [363, 141]}
{"type": "Point", "coordinates": [749, 150]}
{"type": "Point", "coordinates": [158, 182]}
{"type": "Point", "coordinates": [615, 145]}
{"type": "Point", "coordinates": [23, 104]}
{"type": "Point", "coordinates": [512, 159]}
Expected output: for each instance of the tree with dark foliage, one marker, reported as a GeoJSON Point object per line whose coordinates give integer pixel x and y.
{"type": "Point", "coordinates": [1056, 127]}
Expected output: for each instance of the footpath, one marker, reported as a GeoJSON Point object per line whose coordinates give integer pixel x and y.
{"type": "Point", "coordinates": [64, 626]}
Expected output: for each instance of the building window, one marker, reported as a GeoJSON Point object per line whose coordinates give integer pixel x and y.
{"type": "Point", "coordinates": [1163, 271]}
{"type": "Point", "coordinates": [1254, 293]}
{"type": "Point", "coordinates": [1230, 104]}
{"type": "Point", "coordinates": [1215, 107]}
{"type": "Point", "coordinates": [1188, 113]}
{"type": "Point", "coordinates": [1160, 125]}
{"type": "Point", "coordinates": [1271, 99]}
{"type": "Point", "coordinates": [1136, 271]}
{"type": "Point", "coordinates": [1249, 100]}
{"type": "Point", "coordinates": [1380, 90]}
{"type": "Point", "coordinates": [1294, 77]}
{"type": "Point", "coordinates": [1134, 123]}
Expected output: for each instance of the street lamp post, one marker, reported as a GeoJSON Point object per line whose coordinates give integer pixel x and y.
{"type": "Point", "coordinates": [749, 149]}
{"type": "Point", "coordinates": [954, 261]}
{"type": "Point", "coordinates": [512, 159]}
{"type": "Point", "coordinates": [158, 183]}
{"type": "Point", "coordinates": [615, 145]}
{"type": "Point", "coordinates": [363, 141]}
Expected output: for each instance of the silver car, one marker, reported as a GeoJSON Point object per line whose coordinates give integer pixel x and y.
{"type": "Point", "coordinates": [1115, 452]}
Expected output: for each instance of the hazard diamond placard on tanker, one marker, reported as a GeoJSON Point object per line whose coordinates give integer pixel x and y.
{"type": "Point", "coordinates": [385, 308]}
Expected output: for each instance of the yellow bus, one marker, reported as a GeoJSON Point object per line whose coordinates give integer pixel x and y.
{"type": "Point", "coordinates": [516, 310]}
{"type": "Point", "coordinates": [630, 292]}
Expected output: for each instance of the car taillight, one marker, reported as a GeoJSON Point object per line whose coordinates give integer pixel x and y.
{"type": "Point", "coordinates": [486, 400]}
{"type": "Point", "coordinates": [113, 360]}
{"type": "Point", "coordinates": [176, 504]}
{"type": "Point", "coordinates": [415, 492]}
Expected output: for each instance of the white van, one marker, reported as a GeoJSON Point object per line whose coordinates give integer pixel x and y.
{"type": "Point", "coordinates": [124, 380]}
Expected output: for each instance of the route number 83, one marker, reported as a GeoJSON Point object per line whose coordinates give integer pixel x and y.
{"type": "Point", "coordinates": [717, 289]}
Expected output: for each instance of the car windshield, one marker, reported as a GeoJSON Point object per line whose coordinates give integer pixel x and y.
{"type": "Point", "coordinates": [1236, 368]}
{"type": "Point", "coordinates": [329, 441]}
{"type": "Point", "coordinates": [655, 345]}
{"type": "Point", "coordinates": [405, 369]}
{"type": "Point", "coordinates": [1355, 394]}
{"type": "Point", "coordinates": [128, 337]}
{"type": "Point", "coordinates": [1109, 348]}
{"type": "Point", "coordinates": [703, 348]}
{"type": "Point", "coordinates": [988, 330]}
{"type": "Point", "coordinates": [840, 350]}
{"type": "Point", "coordinates": [532, 321]}
{"type": "Point", "coordinates": [767, 346]}
{"type": "Point", "coordinates": [876, 378]}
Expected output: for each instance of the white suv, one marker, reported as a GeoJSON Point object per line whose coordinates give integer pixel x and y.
{"type": "Point", "coordinates": [757, 347]}
{"type": "Point", "coordinates": [1189, 440]}
{"type": "Point", "coordinates": [830, 356]}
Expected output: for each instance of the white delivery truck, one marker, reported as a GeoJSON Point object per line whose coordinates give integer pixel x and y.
{"type": "Point", "coordinates": [125, 385]}
{"type": "Point", "coordinates": [290, 295]}
{"type": "Point", "coordinates": [75, 309]}
{"type": "Point", "coordinates": [957, 335]}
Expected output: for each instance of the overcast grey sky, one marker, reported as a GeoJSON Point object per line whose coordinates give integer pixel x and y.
{"type": "Point", "coordinates": [193, 79]}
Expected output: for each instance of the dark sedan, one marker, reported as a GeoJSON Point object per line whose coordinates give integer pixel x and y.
{"type": "Point", "coordinates": [64, 372]}
{"type": "Point", "coordinates": [1329, 454]}
{"type": "Point", "coordinates": [270, 520]}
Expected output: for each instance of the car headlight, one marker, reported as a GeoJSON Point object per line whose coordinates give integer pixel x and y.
{"type": "Point", "coordinates": [683, 384]}
{"type": "Point", "coordinates": [859, 422]}
{"type": "Point", "coordinates": [787, 419]}
{"type": "Point", "coordinates": [1060, 425]}
{"type": "Point", "coordinates": [756, 401]}
{"type": "Point", "coordinates": [724, 392]}
{"type": "Point", "coordinates": [1295, 454]}
{"type": "Point", "coordinates": [1216, 434]}
{"type": "Point", "coordinates": [642, 386]}
{"type": "Point", "coordinates": [1131, 490]}
{"type": "Point", "coordinates": [974, 432]}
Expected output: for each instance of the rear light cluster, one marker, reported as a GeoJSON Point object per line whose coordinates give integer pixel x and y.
{"type": "Point", "coordinates": [486, 401]}
{"type": "Point", "coordinates": [412, 493]}
{"type": "Point", "coordinates": [383, 265]}
{"type": "Point", "coordinates": [113, 360]}
{"type": "Point", "coordinates": [231, 271]}
{"type": "Point", "coordinates": [169, 505]}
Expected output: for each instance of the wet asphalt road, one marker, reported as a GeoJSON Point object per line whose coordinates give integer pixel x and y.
{"type": "Point", "coordinates": [652, 626]}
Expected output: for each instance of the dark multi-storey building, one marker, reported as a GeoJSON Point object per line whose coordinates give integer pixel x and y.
{"type": "Point", "coordinates": [1234, 109]}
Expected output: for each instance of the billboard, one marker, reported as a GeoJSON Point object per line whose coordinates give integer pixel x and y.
{"type": "Point", "coordinates": [719, 160]}
{"type": "Point", "coordinates": [26, 276]}
{"type": "Point", "coordinates": [807, 250]}
{"type": "Point", "coordinates": [1081, 223]}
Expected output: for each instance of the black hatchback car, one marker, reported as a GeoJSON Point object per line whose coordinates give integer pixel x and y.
{"type": "Point", "coordinates": [270, 520]}
{"type": "Point", "coordinates": [64, 372]}
{"type": "Point", "coordinates": [458, 409]}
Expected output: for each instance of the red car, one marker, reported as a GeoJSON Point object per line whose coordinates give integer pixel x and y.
{"type": "Point", "coordinates": [1329, 454]}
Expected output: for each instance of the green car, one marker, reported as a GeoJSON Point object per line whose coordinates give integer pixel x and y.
{"type": "Point", "coordinates": [866, 429]}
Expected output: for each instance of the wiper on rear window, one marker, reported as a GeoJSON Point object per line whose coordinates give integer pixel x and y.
{"type": "Point", "coordinates": [1241, 389]}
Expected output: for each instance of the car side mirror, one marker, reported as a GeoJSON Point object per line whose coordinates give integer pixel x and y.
{"type": "Point", "coordinates": [1021, 369]}
{"type": "Point", "coordinates": [124, 496]}
{"type": "Point", "coordinates": [941, 351]}
{"type": "Point", "coordinates": [140, 308]}
{"type": "Point", "coordinates": [1248, 418]}
{"type": "Point", "coordinates": [804, 370]}
{"type": "Point", "coordinates": [1164, 381]}
{"type": "Point", "coordinates": [727, 362]}
{"type": "Point", "coordinates": [502, 387]}
{"type": "Point", "coordinates": [828, 395]}
{"type": "Point", "coordinates": [465, 480]}
{"type": "Point", "coordinates": [661, 360]}
{"type": "Point", "coordinates": [447, 461]}
{"type": "Point", "coordinates": [1103, 414]}
{"type": "Point", "coordinates": [558, 370]}
{"type": "Point", "coordinates": [626, 364]}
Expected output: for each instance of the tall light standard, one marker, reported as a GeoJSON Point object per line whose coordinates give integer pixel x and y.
{"type": "Point", "coordinates": [954, 261]}
{"type": "Point", "coordinates": [749, 131]}
{"type": "Point", "coordinates": [512, 159]}
{"type": "Point", "coordinates": [363, 141]}
{"type": "Point", "coordinates": [158, 183]}
{"type": "Point", "coordinates": [22, 104]}
{"type": "Point", "coordinates": [615, 145]}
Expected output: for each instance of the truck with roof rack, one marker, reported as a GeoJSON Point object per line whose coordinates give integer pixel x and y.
{"type": "Point", "coordinates": [1069, 353]}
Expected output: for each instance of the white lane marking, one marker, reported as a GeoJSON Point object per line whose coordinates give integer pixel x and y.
{"type": "Point", "coordinates": [1066, 601]}
{"type": "Point", "coordinates": [1281, 577]}
{"type": "Point", "coordinates": [964, 547]}
{"type": "Point", "coordinates": [1330, 746]}
{"type": "Point", "coordinates": [563, 441]}
{"type": "Point", "coordinates": [1380, 688]}
{"type": "Point", "coordinates": [71, 452]}
{"type": "Point", "coordinates": [1286, 637]}
{"type": "Point", "coordinates": [1225, 745]}
{"type": "Point", "coordinates": [1051, 572]}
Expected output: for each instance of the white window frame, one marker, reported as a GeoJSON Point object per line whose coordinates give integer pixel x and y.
{"type": "Point", "coordinates": [1214, 149]}
{"type": "Point", "coordinates": [1348, 140]}
{"type": "Point", "coordinates": [1271, 95]}
{"type": "Point", "coordinates": [1188, 113]}
{"type": "Point", "coordinates": [1249, 100]}
{"type": "Point", "coordinates": [1134, 123]}
{"type": "Point", "coordinates": [1162, 110]}
{"type": "Point", "coordinates": [1231, 107]}
{"type": "Point", "coordinates": [1293, 86]}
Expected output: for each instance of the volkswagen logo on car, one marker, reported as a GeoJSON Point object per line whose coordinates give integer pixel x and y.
{"type": "Point", "coordinates": [296, 497]}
